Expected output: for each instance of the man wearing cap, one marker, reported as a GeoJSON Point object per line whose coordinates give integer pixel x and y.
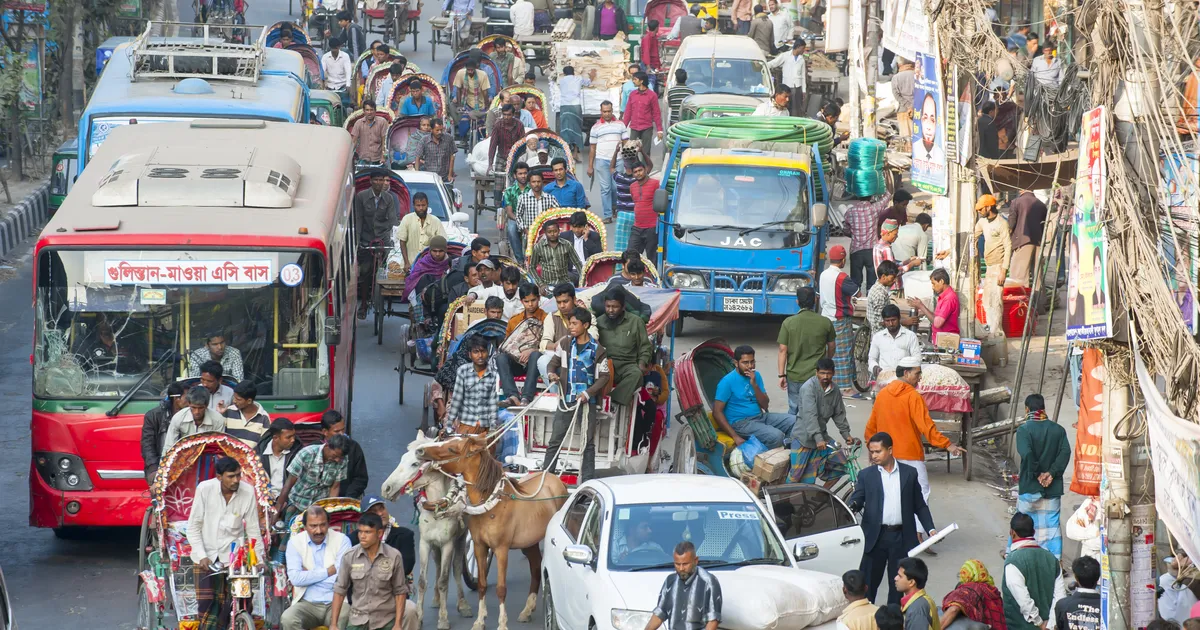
{"type": "Point", "coordinates": [836, 288]}
{"type": "Point", "coordinates": [900, 412]}
{"type": "Point", "coordinates": [883, 251]}
{"type": "Point", "coordinates": [997, 250]}
{"type": "Point", "coordinates": [487, 287]}
{"type": "Point", "coordinates": [399, 538]}
{"type": "Point", "coordinates": [313, 558]}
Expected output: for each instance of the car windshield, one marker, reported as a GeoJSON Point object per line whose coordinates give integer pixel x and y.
{"type": "Point", "coordinates": [742, 196]}
{"type": "Point", "coordinates": [729, 76]}
{"type": "Point", "coordinates": [437, 200]}
{"type": "Point", "coordinates": [106, 319]}
{"type": "Point", "coordinates": [643, 536]}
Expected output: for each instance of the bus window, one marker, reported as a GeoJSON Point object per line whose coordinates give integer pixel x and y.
{"type": "Point", "coordinates": [110, 322]}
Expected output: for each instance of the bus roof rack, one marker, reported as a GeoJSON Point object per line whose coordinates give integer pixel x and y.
{"type": "Point", "coordinates": [206, 57]}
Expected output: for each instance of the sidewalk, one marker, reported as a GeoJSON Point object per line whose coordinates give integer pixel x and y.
{"type": "Point", "coordinates": [23, 218]}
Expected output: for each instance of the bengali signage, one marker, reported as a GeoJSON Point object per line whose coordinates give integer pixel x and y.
{"type": "Point", "coordinates": [188, 272]}
{"type": "Point", "coordinates": [1089, 305]}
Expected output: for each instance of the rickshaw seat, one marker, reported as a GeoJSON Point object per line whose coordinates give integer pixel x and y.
{"type": "Point", "coordinates": [725, 440]}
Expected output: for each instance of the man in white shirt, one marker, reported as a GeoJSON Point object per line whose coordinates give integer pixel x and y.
{"type": "Point", "coordinates": [570, 106]}
{"type": "Point", "coordinates": [521, 16]}
{"type": "Point", "coordinates": [197, 417]}
{"type": "Point", "coordinates": [220, 394]}
{"type": "Point", "coordinates": [927, 150]}
{"type": "Point", "coordinates": [1047, 68]}
{"type": "Point", "coordinates": [223, 512]}
{"type": "Point", "coordinates": [313, 558]}
{"type": "Point", "coordinates": [778, 105]}
{"type": "Point", "coordinates": [336, 66]}
{"type": "Point", "coordinates": [892, 344]}
{"type": "Point", "coordinates": [605, 140]}
{"type": "Point", "coordinates": [795, 74]}
{"type": "Point", "coordinates": [781, 21]}
{"type": "Point", "coordinates": [276, 452]}
{"type": "Point", "coordinates": [487, 287]}
{"type": "Point", "coordinates": [384, 95]}
{"type": "Point", "coordinates": [912, 239]}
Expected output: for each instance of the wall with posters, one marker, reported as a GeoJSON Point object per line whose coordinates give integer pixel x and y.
{"type": "Point", "coordinates": [929, 171]}
{"type": "Point", "coordinates": [1089, 305]}
{"type": "Point", "coordinates": [1180, 245]}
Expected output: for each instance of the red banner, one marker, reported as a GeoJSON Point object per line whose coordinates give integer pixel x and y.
{"type": "Point", "coordinates": [1089, 430]}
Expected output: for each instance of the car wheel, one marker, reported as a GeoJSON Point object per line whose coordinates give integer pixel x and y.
{"type": "Point", "coordinates": [550, 620]}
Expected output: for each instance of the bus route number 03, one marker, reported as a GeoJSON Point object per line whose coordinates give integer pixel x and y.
{"type": "Point", "coordinates": [291, 274]}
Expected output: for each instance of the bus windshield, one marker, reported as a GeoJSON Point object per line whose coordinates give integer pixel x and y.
{"type": "Point", "coordinates": [742, 196]}
{"type": "Point", "coordinates": [728, 76]}
{"type": "Point", "coordinates": [102, 126]}
{"type": "Point", "coordinates": [111, 321]}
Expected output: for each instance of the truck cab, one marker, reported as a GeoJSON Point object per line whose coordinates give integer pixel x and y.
{"type": "Point", "coordinates": [742, 228]}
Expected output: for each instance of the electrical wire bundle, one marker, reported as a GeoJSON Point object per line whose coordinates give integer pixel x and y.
{"type": "Point", "coordinates": [759, 129]}
{"type": "Point", "coordinates": [864, 167]}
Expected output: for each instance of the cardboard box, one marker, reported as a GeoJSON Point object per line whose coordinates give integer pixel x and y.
{"type": "Point", "coordinates": [969, 351]}
{"type": "Point", "coordinates": [752, 482]}
{"type": "Point", "coordinates": [948, 341]}
{"type": "Point", "coordinates": [772, 465]}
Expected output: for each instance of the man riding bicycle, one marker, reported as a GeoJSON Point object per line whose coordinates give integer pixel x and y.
{"type": "Point", "coordinates": [376, 212]}
{"type": "Point", "coordinates": [470, 94]}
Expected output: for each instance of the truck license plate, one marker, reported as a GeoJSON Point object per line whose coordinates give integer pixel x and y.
{"type": "Point", "coordinates": [737, 305]}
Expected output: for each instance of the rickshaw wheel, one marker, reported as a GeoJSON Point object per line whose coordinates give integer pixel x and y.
{"type": "Point", "coordinates": [861, 350]}
{"type": "Point", "coordinates": [677, 326]}
{"type": "Point", "coordinates": [685, 451]}
{"type": "Point", "coordinates": [401, 369]}
{"type": "Point", "coordinates": [147, 612]}
{"type": "Point", "coordinates": [470, 566]}
{"type": "Point", "coordinates": [144, 540]}
{"type": "Point", "coordinates": [428, 396]}
{"type": "Point", "coordinates": [243, 621]}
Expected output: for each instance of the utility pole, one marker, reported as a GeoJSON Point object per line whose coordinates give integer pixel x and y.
{"type": "Point", "coordinates": [1115, 498]}
{"type": "Point", "coordinates": [874, 35]}
{"type": "Point", "coordinates": [854, 66]}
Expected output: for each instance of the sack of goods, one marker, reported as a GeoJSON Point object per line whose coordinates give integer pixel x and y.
{"type": "Point", "coordinates": [864, 167]}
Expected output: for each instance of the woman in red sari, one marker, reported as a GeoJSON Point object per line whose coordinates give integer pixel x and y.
{"type": "Point", "coordinates": [975, 598]}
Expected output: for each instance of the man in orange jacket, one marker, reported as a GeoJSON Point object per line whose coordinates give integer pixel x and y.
{"type": "Point", "coordinates": [900, 412]}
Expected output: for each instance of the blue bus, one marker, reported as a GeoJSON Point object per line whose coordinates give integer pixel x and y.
{"type": "Point", "coordinates": [178, 80]}
{"type": "Point", "coordinates": [742, 228]}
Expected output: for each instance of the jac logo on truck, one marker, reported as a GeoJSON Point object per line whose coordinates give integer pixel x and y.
{"type": "Point", "coordinates": [741, 241]}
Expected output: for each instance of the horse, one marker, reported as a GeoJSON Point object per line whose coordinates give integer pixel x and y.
{"type": "Point", "coordinates": [501, 515]}
{"type": "Point", "coordinates": [444, 532]}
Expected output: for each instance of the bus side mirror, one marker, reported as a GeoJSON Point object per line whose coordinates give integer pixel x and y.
{"type": "Point", "coordinates": [333, 331]}
{"type": "Point", "coordinates": [819, 210]}
{"type": "Point", "coordinates": [660, 201]}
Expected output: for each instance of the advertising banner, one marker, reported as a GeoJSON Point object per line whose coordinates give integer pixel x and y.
{"type": "Point", "coordinates": [1089, 307]}
{"type": "Point", "coordinates": [1089, 431]}
{"type": "Point", "coordinates": [929, 129]}
{"type": "Point", "coordinates": [1180, 246]}
{"type": "Point", "coordinates": [118, 272]}
{"type": "Point", "coordinates": [906, 29]}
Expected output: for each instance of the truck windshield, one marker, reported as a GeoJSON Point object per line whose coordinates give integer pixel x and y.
{"type": "Point", "coordinates": [104, 319]}
{"type": "Point", "coordinates": [742, 196]}
{"type": "Point", "coordinates": [728, 76]}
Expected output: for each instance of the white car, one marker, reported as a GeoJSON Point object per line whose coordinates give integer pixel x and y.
{"type": "Point", "coordinates": [724, 64]}
{"type": "Point", "coordinates": [609, 548]}
{"type": "Point", "coordinates": [445, 203]}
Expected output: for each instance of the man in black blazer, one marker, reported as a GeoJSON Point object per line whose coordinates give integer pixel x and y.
{"type": "Point", "coordinates": [889, 497]}
{"type": "Point", "coordinates": [581, 231]}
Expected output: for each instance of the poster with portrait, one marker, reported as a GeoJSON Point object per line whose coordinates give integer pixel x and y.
{"type": "Point", "coordinates": [929, 129]}
{"type": "Point", "coordinates": [1089, 305]}
{"type": "Point", "coordinates": [1180, 244]}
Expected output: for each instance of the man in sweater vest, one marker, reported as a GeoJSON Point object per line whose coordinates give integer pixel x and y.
{"type": "Point", "coordinates": [1045, 453]}
{"type": "Point", "coordinates": [1033, 580]}
{"type": "Point", "coordinates": [313, 558]}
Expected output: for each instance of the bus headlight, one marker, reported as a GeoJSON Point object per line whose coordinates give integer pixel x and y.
{"type": "Point", "coordinates": [62, 471]}
{"type": "Point", "coordinates": [790, 284]}
{"type": "Point", "coordinates": [686, 280]}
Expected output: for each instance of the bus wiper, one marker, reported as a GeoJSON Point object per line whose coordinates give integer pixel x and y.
{"type": "Point", "coordinates": [766, 225]}
{"type": "Point", "coordinates": [116, 409]}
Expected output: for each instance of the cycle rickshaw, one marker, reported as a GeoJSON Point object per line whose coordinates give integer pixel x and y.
{"type": "Point", "coordinates": [600, 268]}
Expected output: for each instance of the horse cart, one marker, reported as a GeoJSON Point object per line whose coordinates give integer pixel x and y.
{"type": "Point", "coordinates": [167, 581]}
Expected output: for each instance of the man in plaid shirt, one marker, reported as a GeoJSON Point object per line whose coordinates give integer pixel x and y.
{"type": "Point", "coordinates": [474, 401]}
{"type": "Point", "coordinates": [553, 259]}
{"type": "Point", "coordinates": [861, 220]}
{"type": "Point", "coordinates": [316, 472]}
{"type": "Point", "coordinates": [436, 155]}
{"type": "Point", "coordinates": [533, 202]}
{"type": "Point", "coordinates": [880, 295]}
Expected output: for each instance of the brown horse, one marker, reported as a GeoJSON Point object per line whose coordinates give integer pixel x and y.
{"type": "Point", "coordinates": [508, 515]}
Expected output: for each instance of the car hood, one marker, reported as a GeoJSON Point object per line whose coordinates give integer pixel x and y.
{"type": "Point", "coordinates": [754, 597]}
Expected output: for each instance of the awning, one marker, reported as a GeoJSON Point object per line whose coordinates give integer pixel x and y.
{"type": "Point", "coordinates": [1016, 175]}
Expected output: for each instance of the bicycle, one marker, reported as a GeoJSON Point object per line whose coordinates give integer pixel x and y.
{"type": "Point", "coordinates": [395, 19]}
{"type": "Point", "coordinates": [844, 486]}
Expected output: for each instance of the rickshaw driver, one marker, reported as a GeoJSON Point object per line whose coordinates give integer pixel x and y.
{"type": "Point", "coordinates": [625, 338]}
{"type": "Point", "coordinates": [375, 214]}
{"type": "Point", "coordinates": [224, 511]}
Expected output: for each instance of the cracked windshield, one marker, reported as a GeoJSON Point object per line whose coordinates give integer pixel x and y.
{"type": "Point", "coordinates": [112, 322]}
{"type": "Point", "coordinates": [743, 197]}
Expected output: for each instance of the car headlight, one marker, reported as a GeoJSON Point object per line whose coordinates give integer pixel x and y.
{"type": "Point", "coordinates": [686, 280]}
{"type": "Point", "coordinates": [790, 284]}
{"type": "Point", "coordinates": [630, 619]}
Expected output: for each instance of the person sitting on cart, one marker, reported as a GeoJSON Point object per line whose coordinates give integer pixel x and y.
{"type": "Point", "coordinates": [489, 285]}
{"type": "Point", "coordinates": [374, 572]}
{"type": "Point", "coordinates": [624, 336]}
{"type": "Point", "coordinates": [276, 451]}
{"type": "Point", "coordinates": [512, 69]}
{"type": "Point", "coordinates": [437, 298]}
{"type": "Point", "coordinates": [539, 149]}
{"type": "Point", "coordinates": [376, 212]}
{"type": "Point", "coordinates": [633, 273]}
{"type": "Point", "coordinates": [506, 364]}
{"type": "Point", "coordinates": [224, 511]}
{"type": "Point", "coordinates": [399, 538]}
{"type": "Point", "coordinates": [554, 260]}
{"type": "Point", "coordinates": [556, 326]}
{"type": "Point", "coordinates": [470, 92]}
{"type": "Point", "coordinates": [286, 39]}
{"type": "Point", "coordinates": [473, 404]}
{"type": "Point", "coordinates": [316, 472]}
{"type": "Point", "coordinates": [197, 417]}
{"type": "Point", "coordinates": [369, 134]}
{"type": "Point", "coordinates": [579, 367]}
{"type": "Point", "coordinates": [819, 402]}
{"type": "Point", "coordinates": [417, 103]}
{"type": "Point", "coordinates": [493, 308]}
{"type": "Point", "coordinates": [565, 188]}
{"type": "Point", "coordinates": [383, 94]}
{"type": "Point", "coordinates": [510, 281]}
{"type": "Point", "coordinates": [582, 237]}
{"type": "Point", "coordinates": [245, 419]}
{"type": "Point", "coordinates": [313, 559]}
{"type": "Point", "coordinates": [481, 249]}
{"type": "Point", "coordinates": [741, 405]}
{"type": "Point", "coordinates": [355, 483]}
{"type": "Point", "coordinates": [426, 270]}
{"type": "Point", "coordinates": [416, 139]}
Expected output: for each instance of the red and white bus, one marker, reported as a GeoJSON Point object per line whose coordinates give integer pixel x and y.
{"type": "Point", "coordinates": [180, 232]}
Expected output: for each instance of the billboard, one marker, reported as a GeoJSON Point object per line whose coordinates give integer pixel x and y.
{"type": "Point", "coordinates": [1089, 305]}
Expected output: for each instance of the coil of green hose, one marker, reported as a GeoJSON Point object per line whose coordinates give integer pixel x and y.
{"type": "Point", "coordinates": [756, 129]}
{"type": "Point", "coordinates": [864, 167]}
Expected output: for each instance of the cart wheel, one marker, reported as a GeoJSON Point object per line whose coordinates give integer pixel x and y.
{"type": "Point", "coordinates": [401, 369]}
{"type": "Point", "coordinates": [685, 451]}
{"type": "Point", "coordinates": [144, 541]}
{"type": "Point", "coordinates": [470, 566]}
{"type": "Point", "coordinates": [861, 351]}
{"type": "Point", "coordinates": [425, 407]}
{"type": "Point", "coordinates": [243, 621]}
{"type": "Point", "coordinates": [148, 615]}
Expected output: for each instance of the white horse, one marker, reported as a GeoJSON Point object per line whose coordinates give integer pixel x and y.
{"type": "Point", "coordinates": [444, 532]}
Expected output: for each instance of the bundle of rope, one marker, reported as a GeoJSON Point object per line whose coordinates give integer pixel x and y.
{"type": "Point", "coordinates": [763, 129]}
{"type": "Point", "coordinates": [864, 167]}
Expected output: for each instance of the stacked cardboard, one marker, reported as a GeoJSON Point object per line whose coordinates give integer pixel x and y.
{"type": "Point", "coordinates": [772, 465]}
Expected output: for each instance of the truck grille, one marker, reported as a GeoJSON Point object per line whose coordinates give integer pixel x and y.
{"type": "Point", "coordinates": [722, 283]}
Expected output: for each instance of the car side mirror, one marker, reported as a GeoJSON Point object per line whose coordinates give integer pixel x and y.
{"type": "Point", "coordinates": [660, 201]}
{"type": "Point", "coordinates": [333, 331]}
{"type": "Point", "coordinates": [458, 197]}
{"type": "Point", "coordinates": [819, 212]}
{"type": "Point", "coordinates": [806, 551]}
{"type": "Point", "coordinates": [460, 218]}
{"type": "Point", "coordinates": [577, 554]}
